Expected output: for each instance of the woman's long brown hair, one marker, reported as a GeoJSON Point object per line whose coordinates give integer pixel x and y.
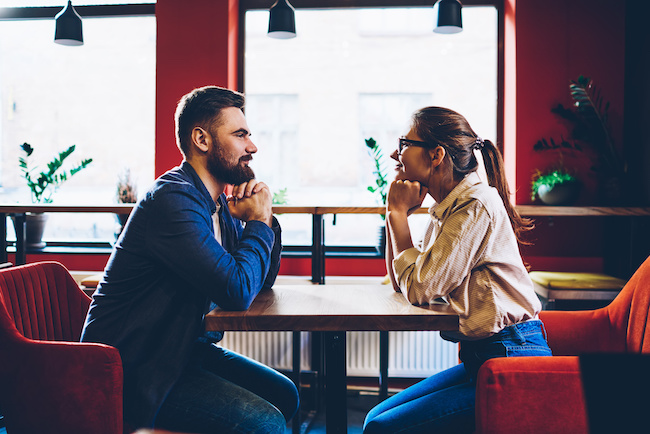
{"type": "Point", "coordinates": [438, 125]}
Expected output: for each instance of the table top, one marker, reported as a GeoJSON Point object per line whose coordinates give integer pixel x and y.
{"type": "Point", "coordinates": [335, 307]}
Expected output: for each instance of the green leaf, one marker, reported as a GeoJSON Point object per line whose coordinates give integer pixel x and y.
{"type": "Point", "coordinates": [380, 172]}
{"type": "Point", "coordinates": [550, 179]}
{"type": "Point", "coordinates": [27, 148]}
{"type": "Point", "coordinates": [48, 181]}
{"type": "Point", "coordinates": [280, 197]}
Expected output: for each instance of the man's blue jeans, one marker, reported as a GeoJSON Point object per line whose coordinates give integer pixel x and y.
{"type": "Point", "coordinates": [225, 392]}
{"type": "Point", "coordinates": [444, 402]}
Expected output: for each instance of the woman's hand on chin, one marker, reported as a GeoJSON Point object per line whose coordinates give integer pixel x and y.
{"type": "Point", "coordinates": [405, 196]}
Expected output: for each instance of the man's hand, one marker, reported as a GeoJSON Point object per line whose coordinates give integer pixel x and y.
{"type": "Point", "coordinates": [251, 200]}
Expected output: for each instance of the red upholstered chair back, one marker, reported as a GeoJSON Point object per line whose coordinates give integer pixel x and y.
{"type": "Point", "coordinates": [44, 301]}
{"type": "Point", "coordinates": [49, 381]}
{"type": "Point", "coordinates": [630, 311]}
{"type": "Point", "coordinates": [623, 326]}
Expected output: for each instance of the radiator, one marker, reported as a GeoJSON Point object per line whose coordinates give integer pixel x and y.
{"type": "Point", "coordinates": [415, 354]}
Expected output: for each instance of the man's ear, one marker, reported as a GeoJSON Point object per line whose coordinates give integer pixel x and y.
{"type": "Point", "coordinates": [201, 139]}
{"type": "Point", "coordinates": [437, 155]}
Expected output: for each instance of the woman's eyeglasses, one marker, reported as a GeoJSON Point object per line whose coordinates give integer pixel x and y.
{"type": "Point", "coordinates": [403, 143]}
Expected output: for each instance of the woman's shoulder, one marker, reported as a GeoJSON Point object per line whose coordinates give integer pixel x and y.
{"type": "Point", "coordinates": [484, 196]}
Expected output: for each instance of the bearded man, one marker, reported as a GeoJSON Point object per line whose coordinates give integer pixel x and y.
{"type": "Point", "coordinates": [184, 250]}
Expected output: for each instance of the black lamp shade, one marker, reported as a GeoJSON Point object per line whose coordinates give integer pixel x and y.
{"type": "Point", "coordinates": [68, 27]}
{"type": "Point", "coordinates": [282, 20]}
{"type": "Point", "coordinates": [449, 16]}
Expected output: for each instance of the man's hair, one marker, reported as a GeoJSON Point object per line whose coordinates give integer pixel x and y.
{"type": "Point", "coordinates": [202, 107]}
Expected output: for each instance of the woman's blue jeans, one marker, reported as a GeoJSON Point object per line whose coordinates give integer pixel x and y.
{"type": "Point", "coordinates": [224, 392]}
{"type": "Point", "coordinates": [444, 402]}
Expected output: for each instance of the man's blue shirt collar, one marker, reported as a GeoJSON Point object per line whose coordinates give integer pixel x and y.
{"type": "Point", "coordinates": [187, 168]}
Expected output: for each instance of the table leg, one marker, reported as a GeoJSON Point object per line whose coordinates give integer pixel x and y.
{"type": "Point", "coordinates": [20, 226]}
{"type": "Point", "coordinates": [383, 365]}
{"type": "Point", "coordinates": [296, 350]}
{"type": "Point", "coordinates": [318, 250]}
{"type": "Point", "coordinates": [336, 405]}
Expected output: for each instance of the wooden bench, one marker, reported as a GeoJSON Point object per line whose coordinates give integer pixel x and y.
{"type": "Point", "coordinates": [575, 289]}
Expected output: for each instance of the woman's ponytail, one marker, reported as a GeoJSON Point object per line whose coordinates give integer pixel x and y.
{"type": "Point", "coordinates": [497, 178]}
{"type": "Point", "coordinates": [449, 128]}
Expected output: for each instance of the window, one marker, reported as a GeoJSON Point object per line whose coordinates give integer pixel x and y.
{"type": "Point", "coordinates": [99, 97]}
{"type": "Point", "coordinates": [356, 73]}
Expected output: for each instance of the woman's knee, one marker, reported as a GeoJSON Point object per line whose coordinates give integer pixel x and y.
{"type": "Point", "coordinates": [373, 426]}
{"type": "Point", "coordinates": [284, 396]}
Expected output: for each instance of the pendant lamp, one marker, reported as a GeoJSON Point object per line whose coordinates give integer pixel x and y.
{"type": "Point", "coordinates": [68, 27]}
{"type": "Point", "coordinates": [449, 16]}
{"type": "Point", "coordinates": [282, 20]}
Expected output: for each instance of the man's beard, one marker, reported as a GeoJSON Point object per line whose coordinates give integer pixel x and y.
{"type": "Point", "coordinates": [221, 169]}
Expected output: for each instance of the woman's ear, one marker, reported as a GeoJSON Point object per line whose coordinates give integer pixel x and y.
{"type": "Point", "coordinates": [200, 139]}
{"type": "Point", "coordinates": [437, 155]}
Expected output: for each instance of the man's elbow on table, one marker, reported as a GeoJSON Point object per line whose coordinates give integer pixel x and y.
{"type": "Point", "coordinates": [235, 304]}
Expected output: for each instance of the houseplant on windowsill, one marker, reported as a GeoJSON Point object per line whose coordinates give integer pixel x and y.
{"type": "Point", "coordinates": [43, 185]}
{"type": "Point", "coordinates": [126, 192]}
{"type": "Point", "coordinates": [380, 187]}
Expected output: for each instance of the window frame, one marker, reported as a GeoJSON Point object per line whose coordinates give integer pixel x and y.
{"type": "Point", "coordinates": [29, 13]}
{"type": "Point", "coordinates": [246, 5]}
{"type": "Point", "coordinates": [92, 11]}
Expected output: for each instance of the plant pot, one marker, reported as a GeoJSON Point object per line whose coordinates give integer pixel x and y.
{"type": "Point", "coordinates": [562, 194]}
{"type": "Point", "coordinates": [34, 228]}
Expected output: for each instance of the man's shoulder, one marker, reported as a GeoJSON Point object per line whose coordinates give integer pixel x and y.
{"type": "Point", "coordinates": [174, 186]}
{"type": "Point", "coordinates": [174, 179]}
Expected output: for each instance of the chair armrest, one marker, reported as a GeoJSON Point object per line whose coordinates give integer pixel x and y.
{"type": "Point", "coordinates": [571, 333]}
{"type": "Point", "coordinates": [66, 387]}
{"type": "Point", "coordinates": [530, 394]}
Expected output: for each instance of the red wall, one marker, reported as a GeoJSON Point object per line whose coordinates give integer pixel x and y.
{"type": "Point", "coordinates": [192, 50]}
{"type": "Point", "coordinates": [288, 266]}
{"type": "Point", "coordinates": [556, 41]}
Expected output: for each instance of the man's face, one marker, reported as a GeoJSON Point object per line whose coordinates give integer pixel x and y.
{"type": "Point", "coordinates": [232, 148]}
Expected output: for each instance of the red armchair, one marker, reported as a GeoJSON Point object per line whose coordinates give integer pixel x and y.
{"type": "Point", "coordinates": [545, 394]}
{"type": "Point", "coordinates": [49, 382]}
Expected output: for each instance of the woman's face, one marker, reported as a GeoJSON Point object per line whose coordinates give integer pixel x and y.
{"type": "Point", "coordinates": [413, 162]}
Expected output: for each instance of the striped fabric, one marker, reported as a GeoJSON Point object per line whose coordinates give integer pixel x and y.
{"type": "Point", "coordinates": [469, 256]}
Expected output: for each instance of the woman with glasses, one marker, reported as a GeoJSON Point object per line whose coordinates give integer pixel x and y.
{"type": "Point", "coordinates": [469, 257]}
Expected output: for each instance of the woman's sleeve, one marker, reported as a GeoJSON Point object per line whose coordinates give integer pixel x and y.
{"type": "Point", "coordinates": [426, 275]}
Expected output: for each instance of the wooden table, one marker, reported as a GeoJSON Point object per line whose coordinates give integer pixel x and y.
{"type": "Point", "coordinates": [333, 310]}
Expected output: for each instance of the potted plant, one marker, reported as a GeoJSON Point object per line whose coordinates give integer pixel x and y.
{"type": "Point", "coordinates": [589, 119]}
{"type": "Point", "coordinates": [126, 192]}
{"type": "Point", "coordinates": [556, 186]}
{"type": "Point", "coordinates": [380, 186]}
{"type": "Point", "coordinates": [42, 185]}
